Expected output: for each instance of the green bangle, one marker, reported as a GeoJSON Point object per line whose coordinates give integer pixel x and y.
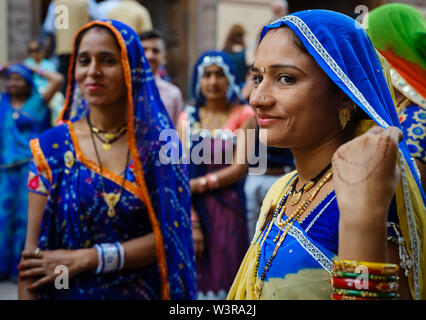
{"type": "Point", "coordinates": [366, 294]}
{"type": "Point", "coordinates": [375, 277]}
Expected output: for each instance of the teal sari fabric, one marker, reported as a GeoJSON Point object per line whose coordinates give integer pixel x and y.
{"type": "Point", "coordinates": [17, 127]}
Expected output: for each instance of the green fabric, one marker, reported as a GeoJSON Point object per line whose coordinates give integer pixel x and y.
{"type": "Point", "coordinates": [401, 29]}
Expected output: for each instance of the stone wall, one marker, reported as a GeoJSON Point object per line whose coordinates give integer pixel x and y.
{"type": "Point", "coordinates": [23, 18]}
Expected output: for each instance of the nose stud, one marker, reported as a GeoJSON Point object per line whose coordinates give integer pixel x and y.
{"type": "Point", "coordinates": [263, 69]}
{"type": "Point", "coordinates": [262, 99]}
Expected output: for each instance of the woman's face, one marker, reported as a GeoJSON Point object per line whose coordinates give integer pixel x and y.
{"type": "Point", "coordinates": [17, 85]}
{"type": "Point", "coordinates": [214, 84]}
{"type": "Point", "coordinates": [98, 69]}
{"type": "Point", "coordinates": [292, 96]}
{"type": "Point", "coordinates": [35, 51]}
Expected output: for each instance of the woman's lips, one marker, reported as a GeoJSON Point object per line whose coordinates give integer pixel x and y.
{"type": "Point", "coordinates": [264, 119]}
{"type": "Point", "coordinates": [94, 86]}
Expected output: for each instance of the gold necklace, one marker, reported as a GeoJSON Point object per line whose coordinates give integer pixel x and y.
{"type": "Point", "coordinates": [111, 199]}
{"type": "Point", "coordinates": [287, 224]}
{"type": "Point", "coordinates": [110, 137]}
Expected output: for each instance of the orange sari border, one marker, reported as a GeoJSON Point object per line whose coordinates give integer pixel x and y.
{"type": "Point", "coordinates": [39, 158]}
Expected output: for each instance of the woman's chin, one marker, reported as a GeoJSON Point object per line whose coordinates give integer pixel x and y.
{"type": "Point", "coordinates": [269, 139]}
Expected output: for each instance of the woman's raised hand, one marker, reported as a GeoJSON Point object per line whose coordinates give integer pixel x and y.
{"type": "Point", "coordinates": [365, 177]}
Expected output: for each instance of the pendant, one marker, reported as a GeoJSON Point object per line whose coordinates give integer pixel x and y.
{"type": "Point", "coordinates": [295, 198]}
{"type": "Point", "coordinates": [106, 146]}
{"type": "Point", "coordinates": [111, 200]}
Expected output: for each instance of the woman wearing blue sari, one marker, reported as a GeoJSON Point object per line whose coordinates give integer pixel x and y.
{"type": "Point", "coordinates": [102, 202]}
{"type": "Point", "coordinates": [23, 116]}
{"type": "Point", "coordinates": [355, 200]}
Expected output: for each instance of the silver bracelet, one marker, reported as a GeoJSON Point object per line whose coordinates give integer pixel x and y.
{"type": "Point", "coordinates": [100, 259]}
{"type": "Point", "coordinates": [120, 255]}
{"type": "Point", "coordinates": [111, 257]}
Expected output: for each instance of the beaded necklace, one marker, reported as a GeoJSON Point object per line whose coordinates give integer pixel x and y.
{"type": "Point", "coordinates": [286, 225]}
{"type": "Point", "coordinates": [297, 195]}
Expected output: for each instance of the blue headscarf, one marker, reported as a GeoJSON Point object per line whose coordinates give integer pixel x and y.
{"type": "Point", "coordinates": [222, 60]}
{"type": "Point", "coordinates": [21, 70]}
{"type": "Point", "coordinates": [165, 187]}
{"type": "Point", "coordinates": [350, 61]}
{"type": "Point", "coordinates": [342, 48]}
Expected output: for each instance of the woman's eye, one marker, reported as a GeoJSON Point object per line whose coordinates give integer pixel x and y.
{"type": "Point", "coordinates": [83, 61]}
{"type": "Point", "coordinates": [109, 61]}
{"type": "Point", "coordinates": [285, 79]}
{"type": "Point", "coordinates": [257, 79]}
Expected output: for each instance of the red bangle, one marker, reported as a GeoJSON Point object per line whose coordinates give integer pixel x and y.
{"type": "Point", "coordinates": [343, 297]}
{"type": "Point", "coordinates": [212, 181]}
{"type": "Point", "coordinates": [351, 283]}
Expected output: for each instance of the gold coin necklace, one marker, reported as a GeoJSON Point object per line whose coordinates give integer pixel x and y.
{"type": "Point", "coordinates": [297, 195]}
{"type": "Point", "coordinates": [111, 199]}
{"type": "Point", "coordinates": [286, 225]}
{"type": "Point", "coordinates": [110, 137]}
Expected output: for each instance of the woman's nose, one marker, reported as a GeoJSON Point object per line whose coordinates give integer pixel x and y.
{"type": "Point", "coordinates": [94, 70]}
{"type": "Point", "coordinates": [260, 98]}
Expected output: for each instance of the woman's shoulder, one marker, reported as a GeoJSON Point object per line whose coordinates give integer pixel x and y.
{"type": "Point", "coordinates": [54, 139]}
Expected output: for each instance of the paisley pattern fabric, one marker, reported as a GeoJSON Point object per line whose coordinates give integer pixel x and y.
{"type": "Point", "coordinates": [413, 123]}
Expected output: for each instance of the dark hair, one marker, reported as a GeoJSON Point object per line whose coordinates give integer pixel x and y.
{"type": "Point", "coordinates": [235, 36]}
{"type": "Point", "coordinates": [151, 34]}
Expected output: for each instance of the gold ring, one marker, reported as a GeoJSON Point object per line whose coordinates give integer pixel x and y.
{"type": "Point", "coordinates": [36, 252]}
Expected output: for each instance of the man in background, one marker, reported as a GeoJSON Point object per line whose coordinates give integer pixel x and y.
{"type": "Point", "coordinates": [155, 52]}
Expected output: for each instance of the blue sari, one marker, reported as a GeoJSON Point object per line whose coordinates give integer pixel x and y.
{"type": "Point", "coordinates": [301, 269]}
{"type": "Point", "coordinates": [17, 127]}
{"type": "Point", "coordinates": [155, 198]}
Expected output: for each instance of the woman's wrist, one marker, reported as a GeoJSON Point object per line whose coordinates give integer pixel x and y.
{"type": "Point", "coordinates": [88, 259]}
{"type": "Point", "coordinates": [212, 181]}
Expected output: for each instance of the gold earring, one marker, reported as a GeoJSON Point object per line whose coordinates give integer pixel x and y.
{"type": "Point", "coordinates": [344, 117]}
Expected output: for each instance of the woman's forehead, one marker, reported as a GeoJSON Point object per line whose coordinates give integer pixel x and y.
{"type": "Point", "coordinates": [97, 37]}
{"type": "Point", "coordinates": [212, 68]}
{"type": "Point", "coordinates": [278, 47]}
